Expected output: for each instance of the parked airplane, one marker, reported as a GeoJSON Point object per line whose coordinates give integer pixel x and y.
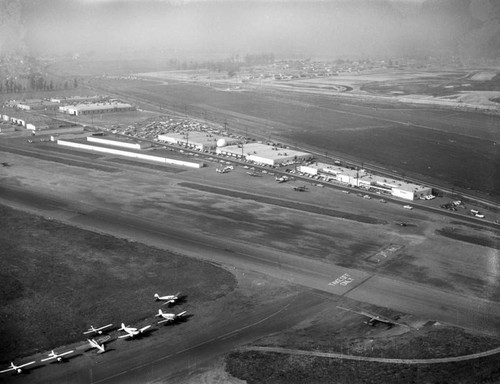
{"type": "Point", "coordinates": [300, 189]}
{"type": "Point", "coordinates": [95, 344]}
{"type": "Point", "coordinates": [131, 331]}
{"type": "Point", "coordinates": [57, 356]}
{"type": "Point", "coordinates": [169, 299]}
{"type": "Point", "coordinates": [17, 368]}
{"type": "Point", "coordinates": [374, 319]}
{"type": "Point", "coordinates": [169, 317]}
{"type": "Point", "coordinates": [97, 330]}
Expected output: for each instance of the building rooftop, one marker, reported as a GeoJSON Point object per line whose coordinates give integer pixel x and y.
{"type": "Point", "coordinates": [97, 106]}
{"type": "Point", "coordinates": [267, 151]}
{"type": "Point", "coordinates": [194, 137]}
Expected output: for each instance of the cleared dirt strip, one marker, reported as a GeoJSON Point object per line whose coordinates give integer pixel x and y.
{"type": "Point", "coordinates": [372, 359]}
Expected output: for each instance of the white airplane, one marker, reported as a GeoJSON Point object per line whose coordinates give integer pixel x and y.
{"type": "Point", "coordinates": [17, 368]}
{"type": "Point", "coordinates": [57, 356]}
{"type": "Point", "coordinates": [95, 344]}
{"type": "Point", "coordinates": [131, 331]}
{"type": "Point", "coordinates": [96, 330]}
{"type": "Point", "coordinates": [170, 299]}
{"type": "Point", "coordinates": [168, 317]}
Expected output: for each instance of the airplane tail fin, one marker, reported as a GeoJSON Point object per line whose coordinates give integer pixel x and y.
{"type": "Point", "coordinates": [157, 296]}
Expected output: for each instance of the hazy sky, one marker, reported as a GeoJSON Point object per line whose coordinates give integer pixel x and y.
{"type": "Point", "coordinates": [334, 28]}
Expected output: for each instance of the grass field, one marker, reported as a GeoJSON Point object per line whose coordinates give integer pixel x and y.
{"type": "Point", "coordinates": [57, 280]}
{"type": "Point", "coordinates": [274, 368]}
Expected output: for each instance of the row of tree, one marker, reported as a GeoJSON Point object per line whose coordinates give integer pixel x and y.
{"type": "Point", "coordinates": [230, 65]}
{"type": "Point", "coordinates": [34, 83]}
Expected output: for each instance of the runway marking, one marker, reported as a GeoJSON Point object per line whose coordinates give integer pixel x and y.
{"type": "Point", "coordinates": [343, 280]}
{"type": "Point", "coordinates": [224, 336]}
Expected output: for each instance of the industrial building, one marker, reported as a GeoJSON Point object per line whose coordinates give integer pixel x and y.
{"type": "Point", "coordinates": [361, 178]}
{"type": "Point", "coordinates": [202, 141]}
{"type": "Point", "coordinates": [120, 142]}
{"type": "Point", "coordinates": [37, 105]}
{"type": "Point", "coordinates": [77, 99]}
{"type": "Point", "coordinates": [163, 157]}
{"type": "Point", "coordinates": [96, 108]}
{"type": "Point", "coordinates": [264, 154]}
{"type": "Point", "coordinates": [28, 120]}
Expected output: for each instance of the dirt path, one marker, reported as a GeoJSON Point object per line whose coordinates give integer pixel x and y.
{"type": "Point", "coordinates": [373, 359]}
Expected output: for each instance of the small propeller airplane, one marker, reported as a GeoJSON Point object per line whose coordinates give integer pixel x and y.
{"type": "Point", "coordinates": [17, 368]}
{"type": "Point", "coordinates": [300, 189]}
{"type": "Point", "coordinates": [131, 331]}
{"type": "Point", "coordinates": [97, 330]}
{"type": "Point", "coordinates": [169, 299]}
{"type": "Point", "coordinates": [57, 356]}
{"type": "Point", "coordinates": [95, 344]}
{"type": "Point", "coordinates": [373, 319]}
{"type": "Point", "coordinates": [169, 317]}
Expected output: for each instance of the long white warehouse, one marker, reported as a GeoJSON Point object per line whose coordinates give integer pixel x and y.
{"type": "Point", "coordinates": [157, 159]}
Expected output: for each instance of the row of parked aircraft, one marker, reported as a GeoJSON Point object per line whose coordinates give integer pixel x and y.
{"type": "Point", "coordinates": [99, 344]}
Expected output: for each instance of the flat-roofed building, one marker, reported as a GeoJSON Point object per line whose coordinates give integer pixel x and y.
{"type": "Point", "coordinates": [37, 105]}
{"type": "Point", "coordinates": [157, 156]}
{"type": "Point", "coordinates": [264, 154]}
{"type": "Point", "coordinates": [96, 108]}
{"type": "Point", "coordinates": [120, 142]}
{"type": "Point", "coordinates": [77, 99]}
{"type": "Point", "coordinates": [202, 141]}
{"type": "Point", "coordinates": [361, 178]}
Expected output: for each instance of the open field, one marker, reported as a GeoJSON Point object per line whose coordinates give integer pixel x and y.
{"type": "Point", "coordinates": [347, 334]}
{"type": "Point", "coordinates": [420, 141]}
{"type": "Point", "coordinates": [275, 368]}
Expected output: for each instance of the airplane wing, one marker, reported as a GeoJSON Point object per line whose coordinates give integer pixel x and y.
{"type": "Point", "coordinates": [96, 330]}
{"type": "Point", "coordinates": [164, 321]}
{"type": "Point", "coordinates": [15, 368]}
{"type": "Point", "coordinates": [103, 327]}
{"type": "Point", "coordinates": [24, 365]}
{"type": "Point", "coordinates": [144, 328]}
{"type": "Point", "coordinates": [127, 335]}
{"type": "Point", "coordinates": [181, 314]}
{"type": "Point", "coordinates": [50, 358]}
